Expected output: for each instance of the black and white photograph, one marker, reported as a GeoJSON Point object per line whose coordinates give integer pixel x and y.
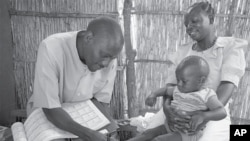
{"type": "Point", "coordinates": [124, 70]}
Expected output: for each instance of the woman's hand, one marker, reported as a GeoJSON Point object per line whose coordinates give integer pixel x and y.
{"type": "Point", "coordinates": [197, 122]}
{"type": "Point", "coordinates": [177, 120]}
{"type": "Point", "coordinates": [151, 100]}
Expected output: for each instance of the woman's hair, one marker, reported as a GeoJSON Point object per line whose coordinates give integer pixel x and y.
{"type": "Point", "coordinates": [206, 7]}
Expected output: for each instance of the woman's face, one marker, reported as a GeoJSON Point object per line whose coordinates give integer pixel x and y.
{"type": "Point", "coordinates": [197, 24]}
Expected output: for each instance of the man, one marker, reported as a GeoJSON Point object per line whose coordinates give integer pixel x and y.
{"type": "Point", "coordinates": [73, 67]}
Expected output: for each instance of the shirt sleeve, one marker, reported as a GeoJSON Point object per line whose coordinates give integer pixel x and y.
{"type": "Point", "coordinates": [208, 93]}
{"type": "Point", "coordinates": [46, 91]}
{"type": "Point", "coordinates": [233, 67]}
{"type": "Point", "coordinates": [105, 94]}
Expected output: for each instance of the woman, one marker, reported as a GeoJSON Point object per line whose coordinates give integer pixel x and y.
{"type": "Point", "coordinates": [226, 60]}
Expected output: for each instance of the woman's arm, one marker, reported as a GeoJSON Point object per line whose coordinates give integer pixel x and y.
{"type": "Point", "coordinates": [225, 91]}
{"type": "Point", "coordinates": [216, 111]}
{"type": "Point", "coordinates": [62, 120]}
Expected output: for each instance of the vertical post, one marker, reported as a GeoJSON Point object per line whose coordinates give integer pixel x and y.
{"type": "Point", "coordinates": [229, 31]}
{"type": "Point", "coordinates": [7, 95]}
{"type": "Point", "coordinates": [133, 109]}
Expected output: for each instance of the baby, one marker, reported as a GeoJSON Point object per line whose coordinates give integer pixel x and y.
{"type": "Point", "coordinates": [189, 95]}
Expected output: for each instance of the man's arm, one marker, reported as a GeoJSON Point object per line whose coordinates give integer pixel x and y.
{"type": "Point", "coordinates": [62, 120]}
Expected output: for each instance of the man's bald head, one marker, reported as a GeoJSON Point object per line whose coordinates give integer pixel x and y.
{"type": "Point", "coordinates": [100, 43]}
{"type": "Point", "coordinates": [107, 28]}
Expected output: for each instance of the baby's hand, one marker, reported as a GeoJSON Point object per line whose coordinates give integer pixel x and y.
{"type": "Point", "coordinates": [196, 121]}
{"type": "Point", "coordinates": [151, 100]}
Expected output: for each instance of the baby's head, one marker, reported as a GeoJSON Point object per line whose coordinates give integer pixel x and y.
{"type": "Point", "coordinates": [191, 74]}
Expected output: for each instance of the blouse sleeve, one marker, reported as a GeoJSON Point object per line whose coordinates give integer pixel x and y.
{"type": "Point", "coordinates": [208, 93]}
{"type": "Point", "coordinates": [234, 64]}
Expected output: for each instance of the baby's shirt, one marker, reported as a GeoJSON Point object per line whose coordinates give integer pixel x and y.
{"type": "Point", "coordinates": [189, 102]}
{"type": "Point", "coordinates": [192, 101]}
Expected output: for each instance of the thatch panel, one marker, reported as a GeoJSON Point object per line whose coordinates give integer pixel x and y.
{"type": "Point", "coordinates": [28, 32]}
{"type": "Point", "coordinates": [24, 76]}
{"type": "Point", "coordinates": [242, 7]}
{"type": "Point", "coordinates": [158, 35]}
{"type": "Point", "coordinates": [241, 27]}
{"type": "Point", "coordinates": [222, 6]}
{"type": "Point", "coordinates": [65, 6]}
{"type": "Point", "coordinates": [161, 5]}
{"type": "Point", "coordinates": [149, 77]}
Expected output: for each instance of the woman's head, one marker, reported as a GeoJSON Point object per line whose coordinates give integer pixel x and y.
{"type": "Point", "coordinates": [199, 20]}
{"type": "Point", "coordinates": [191, 74]}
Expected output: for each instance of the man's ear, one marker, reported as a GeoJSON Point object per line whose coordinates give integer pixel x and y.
{"type": "Point", "coordinates": [88, 37]}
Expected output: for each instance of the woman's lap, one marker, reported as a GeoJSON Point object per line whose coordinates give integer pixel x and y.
{"type": "Point", "coordinates": [170, 136]}
{"type": "Point", "coordinates": [215, 130]}
{"type": "Point", "coordinates": [157, 120]}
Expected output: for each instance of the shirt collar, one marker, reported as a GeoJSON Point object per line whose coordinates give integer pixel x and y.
{"type": "Point", "coordinates": [213, 51]}
{"type": "Point", "coordinates": [220, 43]}
{"type": "Point", "coordinates": [73, 45]}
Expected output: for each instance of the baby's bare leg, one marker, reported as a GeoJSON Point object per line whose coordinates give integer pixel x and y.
{"type": "Point", "coordinates": [150, 134]}
{"type": "Point", "coordinates": [174, 136]}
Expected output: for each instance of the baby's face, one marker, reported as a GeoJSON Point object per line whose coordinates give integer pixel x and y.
{"type": "Point", "coordinates": [188, 80]}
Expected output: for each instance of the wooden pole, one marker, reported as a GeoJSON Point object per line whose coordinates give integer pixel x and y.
{"type": "Point", "coordinates": [133, 109]}
{"type": "Point", "coordinates": [229, 31]}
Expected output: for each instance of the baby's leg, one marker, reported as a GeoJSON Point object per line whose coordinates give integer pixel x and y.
{"type": "Point", "coordinates": [174, 136]}
{"type": "Point", "coordinates": [149, 134]}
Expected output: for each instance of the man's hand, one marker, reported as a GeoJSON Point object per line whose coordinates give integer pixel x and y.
{"type": "Point", "coordinates": [96, 136]}
{"type": "Point", "coordinates": [151, 100]}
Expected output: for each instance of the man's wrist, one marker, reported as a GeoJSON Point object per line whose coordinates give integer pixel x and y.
{"type": "Point", "coordinates": [87, 134]}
